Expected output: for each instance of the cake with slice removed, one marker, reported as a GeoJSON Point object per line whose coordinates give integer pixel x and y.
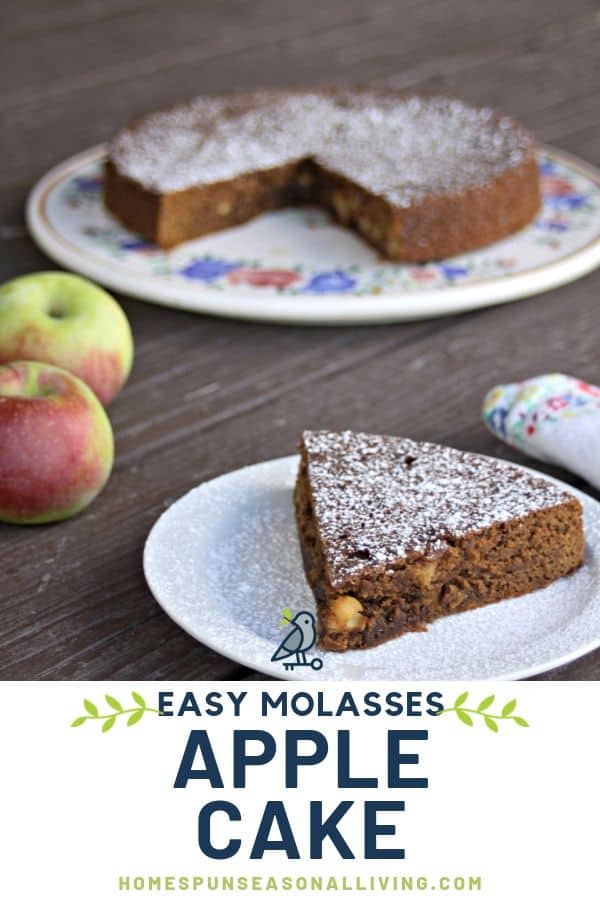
{"type": "Point", "coordinates": [419, 178]}
{"type": "Point", "coordinates": [396, 533]}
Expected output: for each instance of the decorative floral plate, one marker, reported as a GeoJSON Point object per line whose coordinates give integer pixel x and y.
{"type": "Point", "coordinates": [224, 563]}
{"type": "Point", "coordinates": [296, 265]}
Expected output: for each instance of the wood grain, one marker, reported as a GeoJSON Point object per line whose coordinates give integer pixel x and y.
{"type": "Point", "coordinates": [209, 395]}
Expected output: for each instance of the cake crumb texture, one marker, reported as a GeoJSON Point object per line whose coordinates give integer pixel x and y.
{"type": "Point", "coordinates": [396, 533]}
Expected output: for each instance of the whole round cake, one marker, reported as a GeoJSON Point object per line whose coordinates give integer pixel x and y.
{"type": "Point", "coordinates": [420, 178]}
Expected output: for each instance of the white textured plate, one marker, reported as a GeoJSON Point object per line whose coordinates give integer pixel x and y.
{"type": "Point", "coordinates": [296, 266]}
{"type": "Point", "coordinates": [224, 561]}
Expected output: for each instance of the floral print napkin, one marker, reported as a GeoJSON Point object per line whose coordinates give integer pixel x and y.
{"type": "Point", "coordinates": [555, 418]}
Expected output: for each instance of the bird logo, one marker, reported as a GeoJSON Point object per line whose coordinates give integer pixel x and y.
{"type": "Point", "coordinates": [299, 639]}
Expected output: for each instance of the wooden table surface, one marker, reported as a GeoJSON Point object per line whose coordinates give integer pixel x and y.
{"type": "Point", "coordinates": [73, 601]}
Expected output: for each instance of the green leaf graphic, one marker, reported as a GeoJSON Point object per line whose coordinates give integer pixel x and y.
{"type": "Point", "coordinates": [115, 710]}
{"type": "Point", "coordinates": [286, 617]}
{"type": "Point", "coordinates": [112, 701]}
{"type": "Point", "coordinates": [465, 714]}
{"type": "Point", "coordinates": [486, 703]}
{"type": "Point", "coordinates": [135, 717]}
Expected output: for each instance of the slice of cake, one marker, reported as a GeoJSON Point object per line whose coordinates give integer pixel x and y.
{"type": "Point", "coordinates": [420, 178]}
{"type": "Point", "coordinates": [396, 533]}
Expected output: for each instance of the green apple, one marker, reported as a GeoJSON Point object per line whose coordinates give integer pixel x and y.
{"type": "Point", "coordinates": [69, 322]}
{"type": "Point", "coordinates": [56, 444]}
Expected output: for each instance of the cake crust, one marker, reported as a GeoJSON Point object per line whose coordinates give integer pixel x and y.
{"type": "Point", "coordinates": [395, 533]}
{"type": "Point", "coordinates": [420, 178]}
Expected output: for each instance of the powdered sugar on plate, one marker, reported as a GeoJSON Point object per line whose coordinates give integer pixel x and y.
{"type": "Point", "coordinates": [224, 560]}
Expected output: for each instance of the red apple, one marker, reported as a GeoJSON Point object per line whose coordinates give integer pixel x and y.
{"type": "Point", "coordinates": [56, 444]}
{"type": "Point", "coordinates": [69, 322]}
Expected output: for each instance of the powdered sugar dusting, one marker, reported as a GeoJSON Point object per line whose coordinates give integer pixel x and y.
{"type": "Point", "coordinates": [377, 499]}
{"type": "Point", "coordinates": [399, 148]}
{"type": "Point", "coordinates": [224, 560]}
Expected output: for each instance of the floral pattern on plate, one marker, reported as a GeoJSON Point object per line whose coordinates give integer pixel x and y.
{"type": "Point", "coordinates": [300, 251]}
